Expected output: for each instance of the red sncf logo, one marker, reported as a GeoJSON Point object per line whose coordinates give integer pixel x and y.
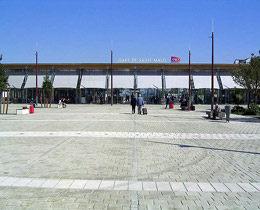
{"type": "Point", "coordinates": [175, 59]}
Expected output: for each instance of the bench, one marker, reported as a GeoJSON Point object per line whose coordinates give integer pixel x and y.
{"type": "Point", "coordinates": [22, 111]}
{"type": "Point", "coordinates": [220, 115]}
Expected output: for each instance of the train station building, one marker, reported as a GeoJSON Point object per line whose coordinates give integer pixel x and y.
{"type": "Point", "coordinates": [85, 83]}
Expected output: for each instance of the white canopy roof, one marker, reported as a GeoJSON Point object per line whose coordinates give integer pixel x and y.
{"type": "Point", "coordinates": [15, 81]}
{"type": "Point", "coordinates": [93, 81]}
{"type": "Point", "coordinates": [228, 82]}
{"type": "Point", "coordinates": [177, 81]}
{"type": "Point", "coordinates": [65, 81]}
{"type": "Point", "coordinates": [204, 82]}
{"type": "Point", "coordinates": [149, 81]}
{"type": "Point", "coordinates": [31, 81]}
{"type": "Point", "coordinates": [123, 81]}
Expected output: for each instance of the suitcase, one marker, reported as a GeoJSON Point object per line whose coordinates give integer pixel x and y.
{"type": "Point", "coordinates": [144, 111]}
{"type": "Point", "coordinates": [171, 106]}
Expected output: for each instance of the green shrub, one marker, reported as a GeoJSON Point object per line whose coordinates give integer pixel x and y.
{"type": "Point", "coordinates": [252, 110]}
{"type": "Point", "coordinates": [238, 110]}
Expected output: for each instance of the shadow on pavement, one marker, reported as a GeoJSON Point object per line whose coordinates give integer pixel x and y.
{"type": "Point", "coordinates": [245, 119]}
{"type": "Point", "coordinates": [7, 114]}
{"type": "Point", "coordinates": [200, 147]}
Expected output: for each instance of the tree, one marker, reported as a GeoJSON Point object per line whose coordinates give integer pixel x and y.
{"type": "Point", "coordinates": [248, 76]}
{"type": "Point", "coordinates": [3, 83]}
{"type": "Point", "coordinates": [237, 96]}
{"type": "Point", "coordinates": [47, 87]}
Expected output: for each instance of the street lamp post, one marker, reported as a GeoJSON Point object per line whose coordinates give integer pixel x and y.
{"type": "Point", "coordinates": [111, 66]}
{"type": "Point", "coordinates": [107, 81]}
{"type": "Point", "coordinates": [212, 69]}
{"type": "Point", "coordinates": [189, 81]}
{"type": "Point", "coordinates": [36, 93]}
{"type": "Point", "coordinates": [212, 74]}
{"type": "Point", "coordinates": [135, 83]}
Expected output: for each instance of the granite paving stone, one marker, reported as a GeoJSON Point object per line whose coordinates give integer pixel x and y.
{"type": "Point", "coordinates": [91, 156]}
{"type": "Point", "coordinates": [248, 187]}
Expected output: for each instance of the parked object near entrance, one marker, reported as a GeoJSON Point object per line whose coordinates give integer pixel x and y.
{"type": "Point", "coordinates": [31, 110]}
{"type": "Point", "coordinates": [62, 103]}
{"type": "Point", "coordinates": [192, 107]}
{"type": "Point", "coordinates": [216, 113]}
{"type": "Point", "coordinates": [144, 111]}
{"type": "Point", "coordinates": [184, 105]}
{"type": "Point", "coordinates": [24, 110]}
{"type": "Point", "coordinates": [228, 111]}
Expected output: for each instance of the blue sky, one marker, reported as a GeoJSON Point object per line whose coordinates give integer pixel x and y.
{"type": "Point", "coordinates": [80, 31]}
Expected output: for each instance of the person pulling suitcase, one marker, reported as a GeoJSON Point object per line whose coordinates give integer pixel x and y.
{"type": "Point", "coordinates": [140, 103]}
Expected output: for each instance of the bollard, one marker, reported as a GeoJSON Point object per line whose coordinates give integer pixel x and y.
{"type": "Point", "coordinates": [31, 109]}
{"type": "Point", "coordinates": [228, 111]}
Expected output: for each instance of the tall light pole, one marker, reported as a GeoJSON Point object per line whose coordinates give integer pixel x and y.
{"type": "Point", "coordinates": [36, 93]}
{"type": "Point", "coordinates": [111, 67]}
{"type": "Point", "coordinates": [189, 79]}
{"type": "Point", "coordinates": [212, 69]}
{"type": "Point", "coordinates": [135, 83]}
{"type": "Point", "coordinates": [107, 78]}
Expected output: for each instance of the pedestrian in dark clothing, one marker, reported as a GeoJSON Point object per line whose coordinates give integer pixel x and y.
{"type": "Point", "coordinates": [167, 102]}
{"type": "Point", "coordinates": [133, 104]}
{"type": "Point", "coordinates": [172, 98]}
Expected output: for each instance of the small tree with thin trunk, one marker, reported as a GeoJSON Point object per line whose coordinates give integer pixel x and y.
{"type": "Point", "coordinates": [237, 96]}
{"type": "Point", "coordinates": [3, 83]}
{"type": "Point", "coordinates": [47, 88]}
{"type": "Point", "coordinates": [248, 76]}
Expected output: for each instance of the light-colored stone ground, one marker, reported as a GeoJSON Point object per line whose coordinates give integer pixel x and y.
{"type": "Point", "coordinates": [170, 159]}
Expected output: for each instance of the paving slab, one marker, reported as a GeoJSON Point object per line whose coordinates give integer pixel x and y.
{"type": "Point", "coordinates": [206, 187]}
{"type": "Point", "coordinates": [64, 184]}
{"type": "Point", "coordinates": [101, 156]}
{"type": "Point", "coordinates": [256, 185]}
{"type": "Point", "coordinates": [121, 185]}
{"type": "Point", "coordinates": [149, 186]}
{"type": "Point", "coordinates": [106, 185]}
{"type": "Point", "coordinates": [78, 184]}
{"type": "Point", "coordinates": [234, 187]}
{"type": "Point", "coordinates": [22, 182]}
{"type": "Point", "coordinates": [192, 187]}
{"type": "Point", "coordinates": [220, 187]}
{"type": "Point", "coordinates": [178, 186]}
{"type": "Point", "coordinates": [92, 184]}
{"type": "Point", "coordinates": [248, 187]}
{"type": "Point", "coordinates": [9, 181]}
{"type": "Point", "coordinates": [50, 183]}
{"type": "Point", "coordinates": [163, 186]}
{"type": "Point", "coordinates": [135, 186]}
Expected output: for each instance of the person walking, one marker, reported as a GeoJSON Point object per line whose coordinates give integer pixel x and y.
{"type": "Point", "coordinates": [167, 102]}
{"type": "Point", "coordinates": [140, 103]}
{"type": "Point", "coordinates": [172, 98]}
{"type": "Point", "coordinates": [133, 104]}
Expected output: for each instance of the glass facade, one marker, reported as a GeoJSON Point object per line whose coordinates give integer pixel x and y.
{"type": "Point", "coordinates": [82, 86]}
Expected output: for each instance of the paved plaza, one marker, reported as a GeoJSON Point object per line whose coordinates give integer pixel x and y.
{"type": "Point", "coordinates": [104, 157]}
